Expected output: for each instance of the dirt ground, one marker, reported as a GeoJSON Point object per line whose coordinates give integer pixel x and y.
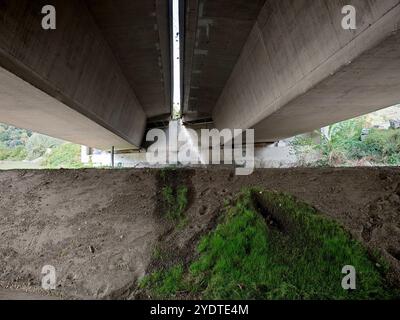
{"type": "Point", "coordinates": [100, 228]}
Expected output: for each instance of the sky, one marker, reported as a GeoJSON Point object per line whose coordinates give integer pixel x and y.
{"type": "Point", "coordinates": [176, 53]}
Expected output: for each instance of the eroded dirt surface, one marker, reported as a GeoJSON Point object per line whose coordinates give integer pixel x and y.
{"type": "Point", "coordinates": [100, 228]}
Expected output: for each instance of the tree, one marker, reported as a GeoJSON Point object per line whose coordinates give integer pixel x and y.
{"type": "Point", "coordinates": [38, 144]}
{"type": "Point", "coordinates": [66, 156]}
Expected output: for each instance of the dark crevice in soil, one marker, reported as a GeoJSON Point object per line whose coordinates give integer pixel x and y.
{"type": "Point", "coordinates": [374, 223]}
{"type": "Point", "coordinates": [169, 250]}
{"type": "Point", "coordinates": [169, 253]}
{"type": "Point", "coordinates": [394, 252]}
{"type": "Point", "coordinates": [173, 179]}
{"type": "Point", "coordinates": [271, 217]}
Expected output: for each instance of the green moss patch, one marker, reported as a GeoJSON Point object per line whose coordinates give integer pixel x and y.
{"type": "Point", "coordinates": [176, 202]}
{"type": "Point", "coordinates": [174, 196]}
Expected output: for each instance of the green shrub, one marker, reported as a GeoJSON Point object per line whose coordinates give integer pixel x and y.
{"type": "Point", "coordinates": [384, 145]}
{"type": "Point", "coordinates": [12, 154]}
{"type": "Point", "coordinates": [18, 154]}
{"type": "Point", "coordinates": [38, 144]}
{"type": "Point", "coordinates": [343, 145]}
{"type": "Point", "coordinates": [66, 156]}
{"type": "Point", "coordinates": [12, 137]}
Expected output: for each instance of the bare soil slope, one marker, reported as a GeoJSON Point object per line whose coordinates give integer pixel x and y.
{"type": "Point", "coordinates": [100, 228]}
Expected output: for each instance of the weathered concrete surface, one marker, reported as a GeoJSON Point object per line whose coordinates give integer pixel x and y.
{"type": "Point", "coordinates": [215, 32]}
{"type": "Point", "coordinates": [287, 67]}
{"type": "Point", "coordinates": [97, 80]}
{"type": "Point", "coordinates": [25, 106]}
{"type": "Point", "coordinates": [300, 70]}
{"type": "Point", "coordinates": [282, 67]}
{"type": "Point", "coordinates": [368, 84]}
{"type": "Point", "coordinates": [138, 33]}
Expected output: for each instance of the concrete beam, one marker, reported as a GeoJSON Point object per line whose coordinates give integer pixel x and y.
{"type": "Point", "coordinates": [138, 34]}
{"type": "Point", "coordinates": [215, 33]}
{"type": "Point", "coordinates": [88, 99]}
{"type": "Point", "coordinates": [300, 70]}
{"type": "Point", "coordinates": [25, 106]}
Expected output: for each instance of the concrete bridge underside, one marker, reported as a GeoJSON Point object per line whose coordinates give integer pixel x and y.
{"type": "Point", "coordinates": [285, 67]}
{"type": "Point", "coordinates": [282, 67]}
{"type": "Point", "coordinates": [95, 80]}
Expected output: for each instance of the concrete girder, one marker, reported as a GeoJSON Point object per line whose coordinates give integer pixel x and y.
{"type": "Point", "coordinates": [289, 67]}
{"type": "Point", "coordinates": [59, 82]}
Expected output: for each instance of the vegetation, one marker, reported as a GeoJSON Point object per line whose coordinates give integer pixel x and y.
{"type": "Point", "coordinates": [20, 145]}
{"type": "Point", "coordinates": [176, 202]}
{"type": "Point", "coordinates": [12, 137]}
{"type": "Point", "coordinates": [13, 154]}
{"type": "Point", "coordinates": [12, 143]}
{"type": "Point", "coordinates": [174, 196]}
{"type": "Point", "coordinates": [343, 145]}
{"type": "Point", "coordinates": [176, 112]}
{"type": "Point", "coordinates": [271, 246]}
{"type": "Point", "coordinates": [166, 283]}
{"type": "Point", "coordinates": [38, 145]}
{"type": "Point", "coordinates": [66, 155]}
{"type": "Point", "coordinates": [384, 146]}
